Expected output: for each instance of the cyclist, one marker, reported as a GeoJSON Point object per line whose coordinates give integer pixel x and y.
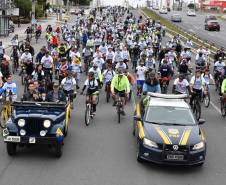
{"type": "Point", "coordinates": [76, 68]}
{"type": "Point", "coordinates": [5, 68]}
{"type": "Point", "coordinates": [10, 88]}
{"type": "Point", "coordinates": [92, 89]}
{"type": "Point", "coordinates": [181, 85]}
{"type": "Point", "coordinates": [97, 73]}
{"type": "Point", "coordinates": [69, 87]}
{"type": "Point", "coordinates": [197, 85]}
{"type": "Point", "coordinates": [140, 72]}
{"type": "Point", "coordinates": [218, 68]}
{"type": "Point", "coordinates": [120, 84]}
{"type": "Point", "coordinates": [108, 75]}
{"type": "Point", "coordinates": [223, 87]}
{"type": "Point", "coordinates": [38, 73]}
{"type": "Point", "coordinates": [47, 63]}
{"type": "Point", "coordinates": [151, 84]}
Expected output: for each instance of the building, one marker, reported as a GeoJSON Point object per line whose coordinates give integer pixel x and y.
{"type": "Point", "coordinates": [215, 4]}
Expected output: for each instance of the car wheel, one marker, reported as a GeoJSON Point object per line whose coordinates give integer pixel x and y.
{"type": "Point", "coordinates": [11, 148]}
{"type": "Point", "coordinates": [58, 150]}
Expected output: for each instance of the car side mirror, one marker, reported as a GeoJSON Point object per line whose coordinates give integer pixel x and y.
{"type": "Point", "coordinates": [137, 118]}
{"type": "Point", "coordinates": [201, 121]}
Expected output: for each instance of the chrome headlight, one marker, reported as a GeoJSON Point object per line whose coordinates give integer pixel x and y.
{"type": "Point", "coordinates": [199, 146]}
{"type": "Point", "coordinates": [21, 122]}
{"type": "Point", "coordinates": [47, 123]}
{"type": "Point", "coordinates": [22, 132]}
{"type": "Point", "coordinates": [150, 143]}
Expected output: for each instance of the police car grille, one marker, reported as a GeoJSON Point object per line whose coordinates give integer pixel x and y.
{"type": "Point", "coordinates": [181, 148]}
{"type": "Point", "coordinates": [34, 126]}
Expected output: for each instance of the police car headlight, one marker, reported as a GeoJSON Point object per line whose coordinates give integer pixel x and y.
{"type": "Point", "coordinates": [150, 143]}
{"type": "Point", "coordinates": [21, 122]}
{"type": "Point", "coordinates": [199, 146]}
{"type": "Point", "coordinates": [47, 123]}
{"type": "Point", "coordinates": [22, 132]}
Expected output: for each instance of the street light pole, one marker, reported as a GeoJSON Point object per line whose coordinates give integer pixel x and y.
{"type": "Point", "coordinates": [33, 12]}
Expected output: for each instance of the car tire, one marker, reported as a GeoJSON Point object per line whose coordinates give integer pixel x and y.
{"type": "Point", "coordinates": [58, 150]}
{"type": "Point", "coordinates": [11, 148]}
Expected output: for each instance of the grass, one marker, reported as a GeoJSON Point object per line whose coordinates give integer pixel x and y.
{"type": "Point", "coordinates": [172, 29]}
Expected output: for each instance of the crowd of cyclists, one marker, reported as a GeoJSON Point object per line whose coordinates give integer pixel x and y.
{"type": "Point", "coordinates": [116, 51]}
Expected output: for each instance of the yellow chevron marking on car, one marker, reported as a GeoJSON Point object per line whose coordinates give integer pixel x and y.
{"type": "Point", "coordinates": [163, 135]}
{"type": "Point", "coordinates": [202, 134]}
{"type": "Point", "coordinates": [184, 138]}
{"type": "Point", "coordinates": [139, 124]}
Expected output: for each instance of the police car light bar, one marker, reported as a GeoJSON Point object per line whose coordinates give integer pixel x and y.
{"type": "Point", "coordinates": [167, 96]}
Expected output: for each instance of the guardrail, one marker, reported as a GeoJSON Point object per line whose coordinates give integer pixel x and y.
{"type": "Point", "coordinates": [196, 39]}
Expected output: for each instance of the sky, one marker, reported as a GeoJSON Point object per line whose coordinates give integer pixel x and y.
{"type": "Point", "coordinates": [121, 2]}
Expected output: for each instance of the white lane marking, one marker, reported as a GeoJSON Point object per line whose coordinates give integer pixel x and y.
{"type": "Point", "coordinates": [215, 107]}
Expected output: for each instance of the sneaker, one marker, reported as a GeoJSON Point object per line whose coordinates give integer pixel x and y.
{"type": "Point", "coordinates": [93, 113]}
{"type": "Point", "coordinates": [123, 113]}
{"type": "Point", "coordinates": [114, 103]}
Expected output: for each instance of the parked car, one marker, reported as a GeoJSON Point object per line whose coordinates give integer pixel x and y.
{"type": "Point", "coordinates": [43, 123]}
{"type": "Point", "coordinates": [163, 11]}
{"type": "Point", "coordinates": [212, 25]}
{"type": "Point", "coordinates": [191, 12]}
{"type": "Point", "coordinates": [176, 18]}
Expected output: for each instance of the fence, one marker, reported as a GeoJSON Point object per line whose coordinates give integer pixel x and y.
{"type": "Point", "coordinates": [4, 25]}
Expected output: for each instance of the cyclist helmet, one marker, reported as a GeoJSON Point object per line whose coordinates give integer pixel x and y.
{"type": "Point", "coordinates": [91, 74]}
{"type": "Point", "coordinates": [120, 71]}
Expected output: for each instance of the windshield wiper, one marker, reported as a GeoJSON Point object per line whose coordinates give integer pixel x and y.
{"type": "Point", "coordinates": [153, 122]}
{"type": "Point", "coordinates": [176, 124]}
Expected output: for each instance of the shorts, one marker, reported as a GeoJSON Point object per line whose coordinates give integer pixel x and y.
{"type": "Point", "coordinates": [140, 83]}
{"type": "Point", "coordinates": [121, 93]}
{"type": "Point", "coordinates": [91, 92]}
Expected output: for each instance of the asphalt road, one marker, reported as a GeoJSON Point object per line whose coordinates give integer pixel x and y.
{"type": "Point", "coordinates": [105, 154]}
{"type": "Point", "coordinates": [196, 25]}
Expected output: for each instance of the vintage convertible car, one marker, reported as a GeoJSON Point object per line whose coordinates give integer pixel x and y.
{"type": "Point", "coordinates": [37, 123]}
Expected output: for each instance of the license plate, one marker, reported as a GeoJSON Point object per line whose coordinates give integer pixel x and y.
{"type": "Point", "coordinates": [175, 157]}
{"type": "Point", "coordinates": [32, 140]}
{"type": "Point", "coordinates": [14, 139]}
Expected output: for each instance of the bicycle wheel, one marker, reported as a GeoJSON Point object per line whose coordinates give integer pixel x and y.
{"type": "Point", "coordinates": [22, 79]}
{"type": "Point", "coordinates": [197, 110]}
{"type": "Point", "coordinates": [118, 112]}
{"type": "Point", "coordinates": [207, 100]}
{"type": "Point", "coordinates": [223, 108]}
{"type": "Point", "coordinates": [107, 95]}
{"type": "Point", "coordinates": [87, 114]}
{"type": "Point", "coordinates": [3, 118]}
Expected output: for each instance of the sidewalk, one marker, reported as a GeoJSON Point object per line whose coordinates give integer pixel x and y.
{"type": "Point", "coordinates": [20, 31]}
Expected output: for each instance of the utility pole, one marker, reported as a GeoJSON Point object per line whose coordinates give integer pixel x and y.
{"type": "Point", "coordinates": [33, 12]}
{"type": "Point", "coordinates": [67, 7]}
{"type": "Point", "coordinates": [57, 8]}
{"type": "Point", "coordinates": [60, 6]}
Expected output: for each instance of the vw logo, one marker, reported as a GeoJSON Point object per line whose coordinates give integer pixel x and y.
{"type": "Point", "coordinates": [175, 147]}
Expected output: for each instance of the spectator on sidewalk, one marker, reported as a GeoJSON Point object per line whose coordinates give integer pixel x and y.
{"type": "Point", "coordinates": [2, 50]}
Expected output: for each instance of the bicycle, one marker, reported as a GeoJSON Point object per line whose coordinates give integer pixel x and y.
{"type": "Point", "coordinates": [15, 64]}
{"type": "Point", "coordinates": [196, 106]}
{"type": "Point", "coordinates": [23, 74]}
{"type": "Point", "coordinates": [108, 91]}
{"type": "Point", "coordinates": [206, 97]}
{"type": "Point", "coordinates": [89, 109]}
{"type": "Point", "coordinates": [223, 105]}
{"type": "Point", "coordinates": [37, 36]}
{"type": "Point", "coordinates": [118, 101]}
{"type": "Point", "coordinates": [6, 111]}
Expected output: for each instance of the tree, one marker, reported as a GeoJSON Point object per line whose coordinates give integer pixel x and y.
{"type": "Point", "coordinates": [24, 7]}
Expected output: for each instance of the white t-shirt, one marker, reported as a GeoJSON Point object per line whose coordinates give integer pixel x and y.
{"type": "Point", "coordinates": [181, 86]}
{"type": "Point", "coordinates": [47, 62]}
{"type": "Point", "coordinates": [26, 57]}
{"type": "Point", "coordinates": [141, 72]}
{"type": "Point", "coordinates": [197, 83]}
{"type": "Point", "coordinates": [68, 84]}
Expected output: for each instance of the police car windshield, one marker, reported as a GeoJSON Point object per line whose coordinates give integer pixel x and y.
{"type": "Point", "coordinates": [167, 115]}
